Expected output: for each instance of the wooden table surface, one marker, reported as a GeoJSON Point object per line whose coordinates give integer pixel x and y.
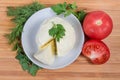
{"type": "Point", "coordinates": [10, 68]}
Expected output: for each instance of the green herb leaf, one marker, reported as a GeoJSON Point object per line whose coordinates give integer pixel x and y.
{"type": "Point", "coordinates": [57, 31]}
{"type": "Point", "coordinates": [65, 8]}
{"type": "Point", "coordinates": [59, 8]}
{"type": "Point", "coordinates": [72, 6]}
{"type": "Point", "coordinates": [19, 56]}
{"type": "Point", "coordinates": [80, 15]}
{"type": "Point", "coordinates": [15, 47]}
{"type": "Point", "coordinates": [25, 66]}
{"type": "Point", "coordinates": [23, 61]}
{"type": "Point", "coordinates": [68, 12]}
{"type": "Point", "coordinates": [33, 69]}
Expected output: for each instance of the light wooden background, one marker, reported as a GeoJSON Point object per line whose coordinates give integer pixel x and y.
{"type": "Point", "coordinates": [80, 70]}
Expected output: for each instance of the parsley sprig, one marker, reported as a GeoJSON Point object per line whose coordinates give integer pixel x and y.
{"type": "Point", "coordinates": [21, 14]}
{"type": "Point", "coordinates": [65, 8]}
{"type": "Point", "coordinates": [57, 31]}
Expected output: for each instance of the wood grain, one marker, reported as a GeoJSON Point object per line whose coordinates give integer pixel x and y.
{"type": "Point", "coordinates": [81, 69]}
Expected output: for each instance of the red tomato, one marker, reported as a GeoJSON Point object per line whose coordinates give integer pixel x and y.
{"type": "Point", "coordinates": [96, 51]}
{"type": "Point", "coordinates": [97, 25]}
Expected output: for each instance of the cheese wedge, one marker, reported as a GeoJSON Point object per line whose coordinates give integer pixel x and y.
{"type": "Point", "coordinates": [46, 55]}
{"type": "Point", "coordinates": [43, 35]}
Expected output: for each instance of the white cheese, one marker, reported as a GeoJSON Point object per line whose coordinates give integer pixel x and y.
{"type": "Point", "coordinates": [45, 56]}
{"type": "Point", "coordinates": [66, 43]}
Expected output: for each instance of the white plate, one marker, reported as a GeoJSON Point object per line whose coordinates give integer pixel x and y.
{"type": "Point", "coordinates": [32, 26]}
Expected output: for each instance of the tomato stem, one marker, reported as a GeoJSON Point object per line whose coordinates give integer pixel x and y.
{"type": "Point", "coordinates": [99, 22]}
